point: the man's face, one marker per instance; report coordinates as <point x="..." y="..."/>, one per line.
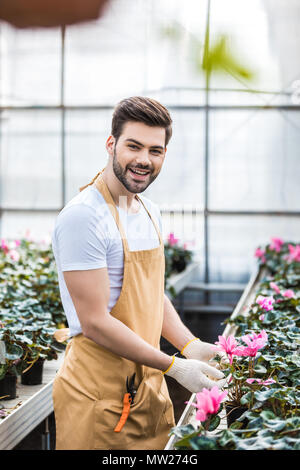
<point x="139" y="148"/>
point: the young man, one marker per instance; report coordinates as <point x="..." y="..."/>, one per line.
<point x="110" y="258"/>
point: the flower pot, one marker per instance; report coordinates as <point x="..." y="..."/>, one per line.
<point x="233" y="412"/>
<point x="34" y="375"/>
<point x="179" y="265"/>
<point x="8" y="387"/>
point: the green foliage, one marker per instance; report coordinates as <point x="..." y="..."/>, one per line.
<point x="30" y="306"/>
<point x="272" y="421"/>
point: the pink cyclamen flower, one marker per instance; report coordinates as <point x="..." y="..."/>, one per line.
<point x="276" y="244"/>
<point x="172" y="240"/>
<point x="228" y="345"/>
<point x="289" y="293"/>
<point x="261" y="382"/>
<point x="259" y="253"/>
<point x="294" y="254"/>
<point x="261" y="317"/>
<point x="254" y="342"/>
<point x="275" y="287"/>
<point x="208" y="402"/>
<point x="14" y="255"/>
<point x="4" y="246"/>
<point x="265" y="302"/>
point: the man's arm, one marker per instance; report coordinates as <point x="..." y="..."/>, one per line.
<point x="182" y="338"/>
<point x="173" y="329"/>
<point x="89" y="290"/>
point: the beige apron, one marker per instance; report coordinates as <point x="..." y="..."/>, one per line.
<point x="89" y="388"/>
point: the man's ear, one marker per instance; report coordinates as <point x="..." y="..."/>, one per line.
<point x="110" y="145"/>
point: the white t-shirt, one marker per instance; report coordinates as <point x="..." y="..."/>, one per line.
<point x="86" y="236"/>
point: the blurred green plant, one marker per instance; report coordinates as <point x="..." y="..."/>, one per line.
<point x="218" y="56"/>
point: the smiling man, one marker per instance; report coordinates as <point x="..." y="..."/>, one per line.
<point x="110" y="392"/>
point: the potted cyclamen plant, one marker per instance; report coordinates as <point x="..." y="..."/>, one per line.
<point x="242" y="369"/>
<point x="243" y="355"/>
<point x="177" y="256"/>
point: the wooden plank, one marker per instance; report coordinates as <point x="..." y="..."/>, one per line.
<point x="208" y="309"/>
<point x="179" y="281"/>
<point x="216" y="286"/>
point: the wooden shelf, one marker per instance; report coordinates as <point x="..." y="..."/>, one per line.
<point x="180" y="281"/>
<point x="32" y="405"/>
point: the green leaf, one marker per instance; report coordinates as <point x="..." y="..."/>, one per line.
<point x="267" y="415"/>
<point x="214" y="422"/>
<point x="204" y="443"/>
<point x="246" y="399"/>
<point x="181" y="431"/>
<point x="227" y="438"/>
<point x="260" y="369"/>
<point x="13" y="352"/>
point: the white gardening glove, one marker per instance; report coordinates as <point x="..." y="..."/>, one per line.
<point x="193" y="374"/>
<point x="197" y="349"/>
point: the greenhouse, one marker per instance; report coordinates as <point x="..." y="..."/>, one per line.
<point x="149" y="226"/>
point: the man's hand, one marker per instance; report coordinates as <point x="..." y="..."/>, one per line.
<point x="193" y="374"/>
<point x="197" y="349"/>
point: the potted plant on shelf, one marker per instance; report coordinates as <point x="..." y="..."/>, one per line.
<point x="244" y="370"/>
<point x="177" y="258"/>
<point x="34" y="337"/>
<point x="177" y="255"/>
<point x="38" y="346"/>
<point x="10" y="362"/>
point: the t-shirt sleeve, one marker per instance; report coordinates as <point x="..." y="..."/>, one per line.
<point x="81" y="240"/>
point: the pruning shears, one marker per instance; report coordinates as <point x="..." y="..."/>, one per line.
<point x="127" y="402"/>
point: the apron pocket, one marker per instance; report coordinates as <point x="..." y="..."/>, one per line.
<point x="106" y="417"/>
<point x="169" y="410"/>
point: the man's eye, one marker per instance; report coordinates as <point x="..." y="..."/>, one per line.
<point x="133" y="146"/>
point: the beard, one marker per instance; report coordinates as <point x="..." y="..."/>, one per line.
<point x="124" y="178"/>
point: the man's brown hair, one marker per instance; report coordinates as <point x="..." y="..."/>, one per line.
<point x="141" y="109"/>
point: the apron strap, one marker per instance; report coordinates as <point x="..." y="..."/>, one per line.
<point x="99" y="182"/>
<point x="102" y="187"/>
<point x="91" y="182"/>
<point x="153" y="221"/>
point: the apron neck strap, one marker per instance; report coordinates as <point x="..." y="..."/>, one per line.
<point x="153" y="221"/>
<point x="102" y="187"/>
